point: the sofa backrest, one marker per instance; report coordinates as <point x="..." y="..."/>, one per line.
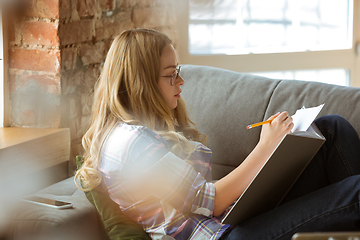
<point x="222" y="103"/>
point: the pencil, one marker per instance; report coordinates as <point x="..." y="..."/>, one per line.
<point x="259" y="124"/>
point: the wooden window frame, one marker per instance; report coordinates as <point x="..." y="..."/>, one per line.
<point x="4" y="78"/>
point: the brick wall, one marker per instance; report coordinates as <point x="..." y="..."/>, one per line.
<point x="56" y="51"/>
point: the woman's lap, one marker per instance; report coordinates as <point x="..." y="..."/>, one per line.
<point x="337" y="159"/>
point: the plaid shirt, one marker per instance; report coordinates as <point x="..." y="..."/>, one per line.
<point x="162" y="192"/>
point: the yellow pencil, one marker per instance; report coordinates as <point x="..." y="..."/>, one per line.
<point x="259" y="124"/>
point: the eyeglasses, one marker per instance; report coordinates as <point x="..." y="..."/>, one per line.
<point x="174" y="75"/>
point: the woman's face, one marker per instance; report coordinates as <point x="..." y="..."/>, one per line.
<point x="168" y="71"/>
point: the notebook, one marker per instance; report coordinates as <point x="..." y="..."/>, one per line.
<point x="281" y="170"/>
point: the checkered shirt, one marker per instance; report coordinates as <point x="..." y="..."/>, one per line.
<point x="166" y="194"/>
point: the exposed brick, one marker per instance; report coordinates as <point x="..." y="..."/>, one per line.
<point x="67" y="10"/>
<point x="78" y="127"/>
<point x="74" y="107"/>
<point x="80" y="82"/>
<point x="66" y="88"/>
<point x="146" y="3"/>
<point x="125" y="3"/>
<point x="88" y="7"/>
<point x="86" y="103"/>
<point x="107" y="5"/>
<point x="36" y="101"/>
<point x="50" y="84"/>
<point x="85" y="124"/>
<point x="43" y="8"/>
<point x="68" y="58"/>
<point x="17" y="33"/>
<point x="40" y="33"/>
<point x="75" y="128"/>
<point x="110" y="27"/>
<point x="36" y="60"/>
<point x="152" y="17"/>
<point x="64" y="9"/>
<point x="72" y="83"/>
<point x="93" y="53"/>
<point x="76" y="32"/>
<point x="91" y="76"/>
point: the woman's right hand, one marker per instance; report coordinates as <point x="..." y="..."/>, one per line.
<point x="272" y="133"/>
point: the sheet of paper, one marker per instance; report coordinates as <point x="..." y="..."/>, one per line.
<point x="303" y="117"/>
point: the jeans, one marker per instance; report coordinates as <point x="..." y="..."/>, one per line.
<point x="324" y="198"/>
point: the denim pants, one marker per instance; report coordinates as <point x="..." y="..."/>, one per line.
<point x="324" y="198"/>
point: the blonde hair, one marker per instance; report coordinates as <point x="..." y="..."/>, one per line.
<point x="127" y="91"/>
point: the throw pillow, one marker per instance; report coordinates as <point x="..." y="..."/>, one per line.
<point x="117" y="225"/>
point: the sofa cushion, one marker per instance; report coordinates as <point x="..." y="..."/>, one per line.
<point x="30" y="221"/>
<point x="293" y="94"/>
<point x="222" y="103"/>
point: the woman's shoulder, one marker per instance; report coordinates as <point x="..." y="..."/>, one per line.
<point x="125" y="137"/>
<point x="127" y="144"/>
<point x="133" y="132"/>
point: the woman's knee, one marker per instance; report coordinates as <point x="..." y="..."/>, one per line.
<point x="333" y="121"/>
<point x="332" y="118"/>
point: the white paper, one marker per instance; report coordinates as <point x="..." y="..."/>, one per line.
<point x="303" y="117"/>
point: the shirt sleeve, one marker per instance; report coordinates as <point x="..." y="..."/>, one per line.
<point x="176" y="182"/>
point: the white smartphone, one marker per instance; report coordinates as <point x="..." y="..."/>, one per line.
<point x="48" y="202"/>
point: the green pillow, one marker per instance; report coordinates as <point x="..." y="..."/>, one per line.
<point x="117" y="225"/>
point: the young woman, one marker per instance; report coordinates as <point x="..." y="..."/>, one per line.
<point x="156" y="166"/>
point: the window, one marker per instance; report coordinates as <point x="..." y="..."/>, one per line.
<point x="262" y="26"/>
<point x="290" y="39"/>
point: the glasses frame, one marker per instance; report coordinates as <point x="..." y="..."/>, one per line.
<point x="175" y="75"/>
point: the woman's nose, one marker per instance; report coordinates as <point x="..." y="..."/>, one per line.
<point x="180" y="80"/>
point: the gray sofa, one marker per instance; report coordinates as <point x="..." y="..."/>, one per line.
<point x="222" y="103"/>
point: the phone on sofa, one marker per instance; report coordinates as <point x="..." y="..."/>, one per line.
<point x="47" y="202"/>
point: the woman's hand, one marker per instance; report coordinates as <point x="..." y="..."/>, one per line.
<point x="272" y="133"/>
